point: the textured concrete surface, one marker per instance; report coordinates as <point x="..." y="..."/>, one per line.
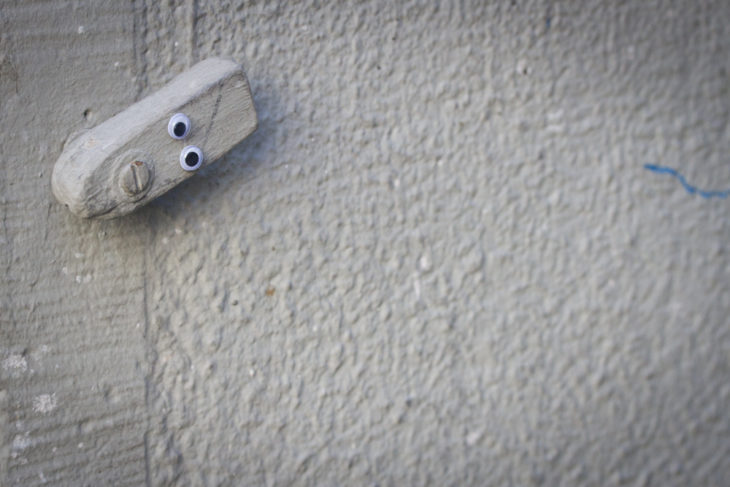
<point x="438" y="261"/>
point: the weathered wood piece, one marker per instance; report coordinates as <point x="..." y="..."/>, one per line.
<point x="132" y="158"/>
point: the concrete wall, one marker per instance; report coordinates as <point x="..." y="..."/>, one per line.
<point x="439" y="260"/>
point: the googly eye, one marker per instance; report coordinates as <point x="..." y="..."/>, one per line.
<point x="191" y="158"/>
<point x="179" y="126"/>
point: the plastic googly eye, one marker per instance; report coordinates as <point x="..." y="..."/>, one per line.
<point x="191" y="158"/>
<point x="179" y="126"/>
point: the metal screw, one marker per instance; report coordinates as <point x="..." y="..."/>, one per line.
<point x="135" y="177"/>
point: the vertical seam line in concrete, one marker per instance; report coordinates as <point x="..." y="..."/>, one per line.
<point x="149" y="348"/>
<point x="148" y="357"/>
<point x="139" y="41"/>
<point x="193" y="31"/>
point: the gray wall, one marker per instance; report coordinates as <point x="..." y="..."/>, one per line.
<point x="439" y="260"/>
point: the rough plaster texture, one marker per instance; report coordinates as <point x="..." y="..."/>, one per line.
<point x="438" y="261"/>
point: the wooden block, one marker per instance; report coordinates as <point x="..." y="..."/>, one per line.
<point x="130" y="159"/>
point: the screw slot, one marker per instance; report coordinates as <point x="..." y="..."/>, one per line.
<point x="135" y="177"/>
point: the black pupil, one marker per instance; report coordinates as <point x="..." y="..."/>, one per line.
<point x="179" y="129"/>
<point x="191" y="159"/>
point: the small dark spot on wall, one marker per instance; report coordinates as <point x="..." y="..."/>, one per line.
<point x="8" y="72"/>
<point x="87" y="114"/>
<point x="270" y="291"/>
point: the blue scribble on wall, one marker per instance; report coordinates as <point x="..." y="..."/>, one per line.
<point x="690" y="189"/>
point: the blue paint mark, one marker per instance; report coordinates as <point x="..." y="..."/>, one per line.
<point x="690" y="189"/>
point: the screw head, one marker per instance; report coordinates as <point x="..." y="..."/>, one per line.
<point x="135" y="177"/>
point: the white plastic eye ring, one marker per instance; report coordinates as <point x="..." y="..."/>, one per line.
<point x="191" y="158"/>
<point x="179" y="126"/>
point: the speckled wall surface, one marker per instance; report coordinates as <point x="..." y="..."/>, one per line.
<point x="440" y="260"/>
